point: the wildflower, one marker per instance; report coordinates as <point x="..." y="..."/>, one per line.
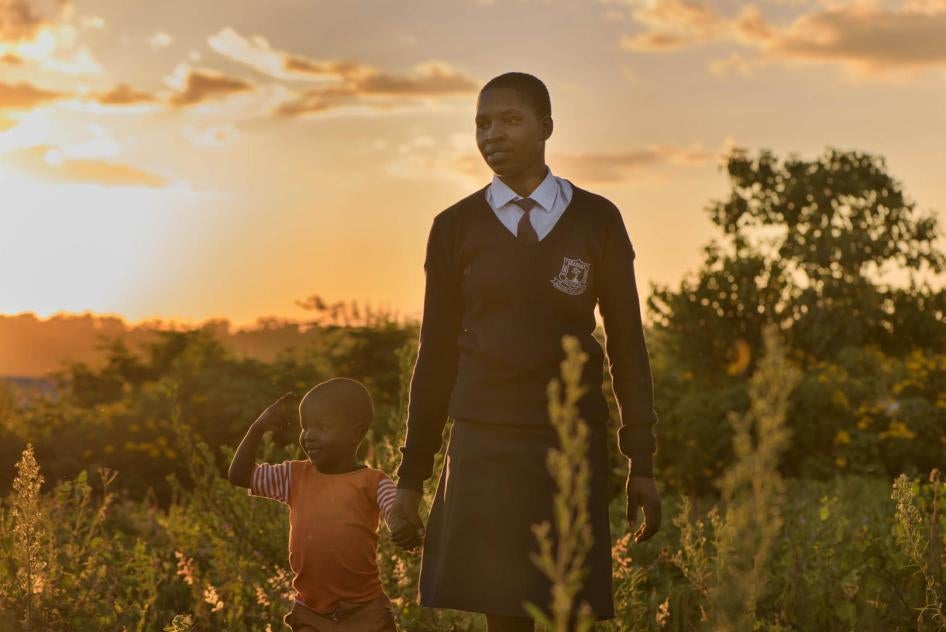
<point x="663" y="612"/>
<point x="842" y="437"/>
<point x="211" y="597"/>
<point x="282" y="583"/>
<point x="400" y="572"/>
<point x="261" y="597"/>
<point x="622" y="560"/>
<point x="185" y="568"/>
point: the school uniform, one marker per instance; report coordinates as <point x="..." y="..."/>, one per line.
<point x="495" y="310"/>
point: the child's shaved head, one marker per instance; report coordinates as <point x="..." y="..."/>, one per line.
<point x="349" y="399"/>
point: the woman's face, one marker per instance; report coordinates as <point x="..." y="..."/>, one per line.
<point x="510" y="137"/>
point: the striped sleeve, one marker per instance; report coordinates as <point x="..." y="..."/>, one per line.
<point x="386" y="493"/>
<point x="270" y="481"/>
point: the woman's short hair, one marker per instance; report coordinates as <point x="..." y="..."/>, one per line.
<point x="530" y="89"/>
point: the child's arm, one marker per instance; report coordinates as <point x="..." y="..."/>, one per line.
<point x="273" y="418"/>
<point x="386" y="492"/>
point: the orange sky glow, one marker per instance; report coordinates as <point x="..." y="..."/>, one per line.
<point x="183" y="160"/>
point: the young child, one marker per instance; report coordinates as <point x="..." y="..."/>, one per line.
<point x="334" y="508"/>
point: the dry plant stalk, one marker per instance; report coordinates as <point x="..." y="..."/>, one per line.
<point x="29" y="534"/>
<point x="562" y="560"/>
<point x="753" y="491"/>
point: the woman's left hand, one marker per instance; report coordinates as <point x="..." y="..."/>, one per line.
<point x="642" y="493"/>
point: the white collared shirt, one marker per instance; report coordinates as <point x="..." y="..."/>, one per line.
<point x="553" y="195"/>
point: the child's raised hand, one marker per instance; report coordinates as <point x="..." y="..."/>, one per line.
<point x="279" y="414"/>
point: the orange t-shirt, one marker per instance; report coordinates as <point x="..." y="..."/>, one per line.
<point x="333" y="528"/>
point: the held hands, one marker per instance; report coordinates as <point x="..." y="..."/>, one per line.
<point x="279" y="414"/>
<point x="642" y="493"/>
<point x="407" y="529"/>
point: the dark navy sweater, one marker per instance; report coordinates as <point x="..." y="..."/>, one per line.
<point x="495" y="311"/>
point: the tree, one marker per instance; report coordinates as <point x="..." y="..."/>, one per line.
<point x="805" y="244"/>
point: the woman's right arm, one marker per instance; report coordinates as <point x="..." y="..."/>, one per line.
<point x="436" y="368"/>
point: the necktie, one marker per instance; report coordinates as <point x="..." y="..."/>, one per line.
<point x="525" y="232"/>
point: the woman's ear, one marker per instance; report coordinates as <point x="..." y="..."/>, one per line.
<point x="547" y="126"/>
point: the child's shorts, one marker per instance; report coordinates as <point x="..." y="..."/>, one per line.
<point x="376" y="615"/>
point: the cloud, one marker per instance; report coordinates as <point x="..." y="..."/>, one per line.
<point x="672" y="24"/>
<point x="257" y="53"/>
<point x="423" y="156"/>
<point x="872" y="40"/>
<point x="382" y="91"/>
<point x="50" y="163"/>
<point x="216" y="136"/>
<point x="41" y="32"/>
<point x="340" y="83"/>
<point x="122" y="94"/>
<point x="23" y="96"/>
<point x="160" y="40"/>
<point x="614" y="167"/>
<point x="80" y="62"/>
<point x="99" y="144"/>
<point x="196" y="85"/>
<point x="866" y="37"/>
<point x="22" y="19"/>
<point x="430" y="79"/>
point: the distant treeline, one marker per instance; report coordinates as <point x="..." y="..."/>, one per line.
<point x="35" y="347"/>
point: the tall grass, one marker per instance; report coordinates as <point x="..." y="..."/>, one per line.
<point x="854" y="553"/>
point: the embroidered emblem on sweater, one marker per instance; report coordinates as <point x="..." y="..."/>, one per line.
<point x="573" y="279"/>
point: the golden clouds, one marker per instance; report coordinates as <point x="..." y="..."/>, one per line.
<point x="23" y="96"/>
<point x="39" y="33"/>
<point x="22" y="19"/>
<point x="340" y="82"/>
<point x="49" y="163"/>
<point x="672" y="24"/>
<point x="425" y="156"/>
<point x="122" y="94"/>
<point x="195" y="85"/>
<point x="381" y="90"/>
<point x="867" y="37"/>
<point x="614" y="167"/>
<point x="257" y="54"/>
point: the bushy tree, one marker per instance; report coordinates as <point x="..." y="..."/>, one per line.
<point x="806" y="244"/>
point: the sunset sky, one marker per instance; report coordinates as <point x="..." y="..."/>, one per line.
<point x="225" y="158"/>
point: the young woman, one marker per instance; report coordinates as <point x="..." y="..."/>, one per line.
<point x="510" y="269"/>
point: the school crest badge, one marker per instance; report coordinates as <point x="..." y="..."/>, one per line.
<point x="573" y="278"/>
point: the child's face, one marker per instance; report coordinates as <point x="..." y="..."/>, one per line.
<point x="327" y="438"/>
<point x="509" y="135"/>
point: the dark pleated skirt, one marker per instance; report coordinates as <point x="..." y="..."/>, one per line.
<point x="494" y="486"/>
